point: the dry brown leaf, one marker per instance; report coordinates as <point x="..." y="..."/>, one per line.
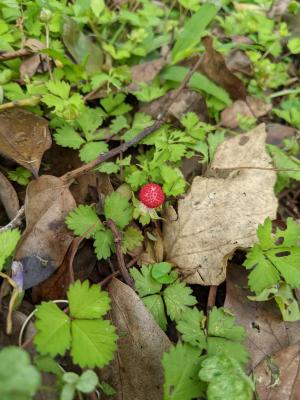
<point x="278" y="378"/>
<point x="277" y="132"/>
<point x="8" y="197"/>
<point x="266" y="332"/>
<point x="254" y="107"/>
<point x="221" y="213"/>
<point x="46" y="239"/>
<point x="147" y="71"/>
<point x="24" y="137"/>
<point x="30" y="66"/>
<point x="278" y="8"/>
<point x="238" y="61"/>
<point x="136" y="372"/>
<point x="214" y="67"/>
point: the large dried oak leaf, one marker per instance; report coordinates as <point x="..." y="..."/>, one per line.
<point x="222" y="211"/>
<point x="24" y="137"/>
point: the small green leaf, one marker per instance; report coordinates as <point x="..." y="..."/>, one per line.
<point x="132" y="238"/>
<point x="104" y="244"/>
<point x="161" y="273"/>
<point x="218" y="345"/>
<point x="87" y="382"/>
<point x="53" y="330"/>
<point x="108" y="168"/>
<point x="8" y="242"/>
<point x="177" y="298"/>
<point x="20" y="175"/>
<point x="117" y="208"/>
<point x="221" y="323"/>
<point x="93" y="342"/>
<point x="191" y="326"/>
<point x="59" y="88"/>
<point x="144" y="282"/>
<point x="181" y="366"/>
<point x="155" y="305"/>
<point x="294" y="45"/>
<point x="90" y="151"/>
<point x="84" y="221"/>
<point x="87" y="302"/>
<point x="66" y="136"/>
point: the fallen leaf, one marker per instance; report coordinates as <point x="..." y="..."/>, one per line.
<point x="221" y="212"/>
<point x="81" y="46"/>
<point x="188" y="101"/>
<point x="24" y="137"/>
<point x="278" y="378"/>
<point x="214" y="67"/>
<point x="136" y="371"/>
<point x="238" y="61"/>
<point x="277" y="132"/>
<point x="249" y="108"/>
<point x="278" y="8"/>
<point x="29" y="66"/>
<point x="8" y="197"/>
<point x="266" y="332"/>
<point x="46" y="238"/>
<point x="147" y="71"/>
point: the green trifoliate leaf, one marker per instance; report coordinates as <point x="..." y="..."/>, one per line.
<point x="53" y="330"/>
<point x="191" y="326"/>
<point x="104" y="244"/>
<point x="87" y="302"/>
<point x="155" y="305"/>
<point x="226" y="379"/>
<point x="20" y="175"/>
<point x="90" y="151"/>
<point x="145" y="284"/>
<point x="19" y="380"/>
<point x="8" y="242"/>
<point x="181" y="366"/>
<point x="84" y="221"/>
<point x="132" y="238"/>
<point x="66" y="136"/>
<point x="93" y="342"/>
<point x="177" y="298"/>
<point x="117" y="208"/>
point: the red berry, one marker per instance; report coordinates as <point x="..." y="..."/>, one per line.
<point x="152" y="195"/>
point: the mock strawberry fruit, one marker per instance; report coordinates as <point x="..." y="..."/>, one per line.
<point x="152" y="195"/>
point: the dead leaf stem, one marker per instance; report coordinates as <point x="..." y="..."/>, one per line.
<point x="17" y="221"/>
<point x="10" y="55"/>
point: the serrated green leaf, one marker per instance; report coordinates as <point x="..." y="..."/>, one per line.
<point x="191" y="326"/>
<point x="118" y="124"/>
<point x="66" y="136"/>
<point x="218" y="345"/>
<point x="174" y="183"/>
<point x="290" y="236"/>
<point x="181" y="366"/>
<point x="177" y="298"/>
<point x="59" y="88"/>
<point x="19" y="380"/>
<point x="140" y="122"/>
<point x="287" y="262"/>
<point x="214" y="140"/>
<point x="108" y="168"/>
<point x="93" y="342"/>
<point x="53" y="330"/>
<point x="161" y="273"/>
<point x="155" y="305"/>
<point x="222" y="324"/>
<point x="87" y="302"/>
<point x="104" y="244"/>
<point x="132" y="238"/>
<point x="90" y="119"/>
<point x="117" y="208"/>
<point x="20" y="175"/>
<point x="114" y="105"/>
<point x="144" y="282"/>
<point x="84" y="221"/>
<point x="8" y="242"/>
<point x="90" y="151"/>
<point x="97" y="7"/>
<point x="287" y="303"/>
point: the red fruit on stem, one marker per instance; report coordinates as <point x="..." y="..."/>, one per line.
<point x="152" y="195"/>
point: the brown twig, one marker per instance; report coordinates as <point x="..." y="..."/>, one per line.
<point x="10" y="55"/>
<point x="118" y="242"/>
<point x="106" y="280"/>
<point x="17" y="221"/>
<point x="211" y="301"/>
<point x="147" y="131"/>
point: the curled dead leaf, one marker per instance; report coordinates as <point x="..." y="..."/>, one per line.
<point x="46" y="238"/>
<point x="24" y="137"/>
<point x="221" y="212"/>
<point x="8" y="197"/>
<point x="136" y="371"/>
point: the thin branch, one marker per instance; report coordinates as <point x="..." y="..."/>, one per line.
<point x="147" y="131"/>
<point x="118" y="242"/>
<point x="10" y="55"/>
<point x="17" y="221"/>
<point x="211" y="301"/>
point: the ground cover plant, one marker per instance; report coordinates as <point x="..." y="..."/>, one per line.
<point x="149" y="199"/>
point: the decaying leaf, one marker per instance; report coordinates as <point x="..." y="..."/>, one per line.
<point x="24" y="137"/>
<point x="267" y="333"/>
<point x="46" y="239"/>
<point x="8" y="197"/>
<point x="147" y="71"/>
<point x="214" y="67"/>
<point x="221" y="213"/>
<point x="277" y="132"/>
<point x="253" y="107"/>
<point x="136" y="372"/>
<point x="278" y="377"/>
<point x="30" y="66"/>
<point x="238" y="61"/>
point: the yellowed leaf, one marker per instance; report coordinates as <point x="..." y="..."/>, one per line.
<point x="222" y="211"/>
